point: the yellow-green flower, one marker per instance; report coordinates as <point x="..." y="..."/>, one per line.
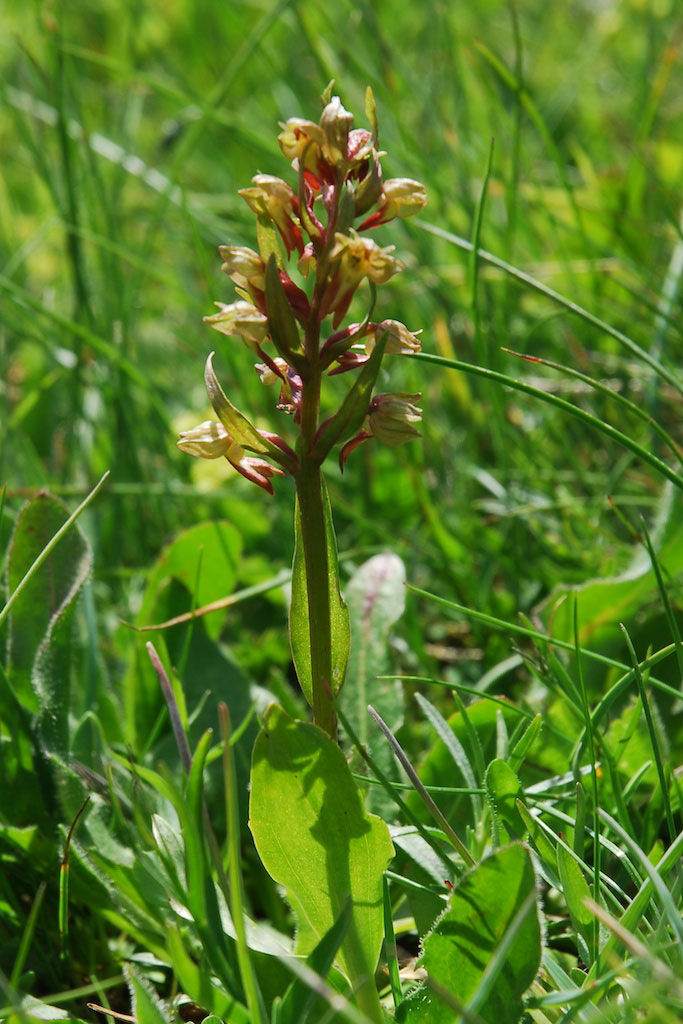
<point x="240" y="319"/>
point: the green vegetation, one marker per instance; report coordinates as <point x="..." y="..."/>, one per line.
<point x="513" y="577"/>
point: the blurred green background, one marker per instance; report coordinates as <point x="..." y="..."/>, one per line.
<point x="127" y="127"/>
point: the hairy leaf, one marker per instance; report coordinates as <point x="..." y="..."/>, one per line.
<point x="39" y="643"/>
<point x="485" y="950"/>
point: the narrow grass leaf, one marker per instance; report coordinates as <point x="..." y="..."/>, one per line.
<point x="454" y="748"/>
<point x="429" y="803"/>
<point x="27" y="937"/>
<point x="250" y="984"/>
<point x="195" y="980"/>
<point x="550" y="293"/>
<point x="654" y="873"/>
<point x="652" y="732"/>
<point x="670" y="616"/>
<point x="390" y="951"/>
<point x="525" y="743"/>
<point x="634" y="912"/>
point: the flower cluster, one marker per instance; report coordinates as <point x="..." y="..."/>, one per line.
<point x="324" y="225"/>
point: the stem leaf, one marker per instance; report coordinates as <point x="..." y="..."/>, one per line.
<point x="487" y="977"/>
<point x="281" y="322"/>
<point x="299" y="629"/>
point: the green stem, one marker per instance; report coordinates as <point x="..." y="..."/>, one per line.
<point x="310" y="495"/>
<point x="309" y="489"/>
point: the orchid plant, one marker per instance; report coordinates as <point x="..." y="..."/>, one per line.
<point x="324" y="223"/>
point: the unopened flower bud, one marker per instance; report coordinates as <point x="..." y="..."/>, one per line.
<point x="258" y="471"/>
<point x="400" y="341"/>
<point x="336" y="123"/>
<point x="208" y="440"/>
<point x="398" y="197"/>
<point x="240" y="319"/>
<point x="391" y="417"/>
<point x="402" y="197"/>
<point x="359" y="145"/>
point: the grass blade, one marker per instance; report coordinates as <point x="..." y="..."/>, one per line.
<point x="561" y="300"/>
<point x="652" y="732"/>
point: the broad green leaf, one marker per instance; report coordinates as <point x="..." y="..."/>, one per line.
<point x="198" y="567"/>
<point x="486" y="948"/>
<point x="31" y="1009"/>
<point x="147" y="1007"/>
<point x="575" y="889"/>
<point x="315" y="838"/>
<point x="298" y="612"/>
<point x="375" y="597"/>
<point x="39" y="642"/>
<point x="502" y="790"/>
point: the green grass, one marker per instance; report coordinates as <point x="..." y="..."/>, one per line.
<point x="543" y="488"/>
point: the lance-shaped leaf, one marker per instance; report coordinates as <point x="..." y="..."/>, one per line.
<point x="299" y="628"/>
<point x="353" y="410"/>
<point x="376" y="599"/>
<point x="236" y="423"/>
<point x="40" y="623"/>
<point x="281" y="322"/>
<point x="316" y="839"/>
